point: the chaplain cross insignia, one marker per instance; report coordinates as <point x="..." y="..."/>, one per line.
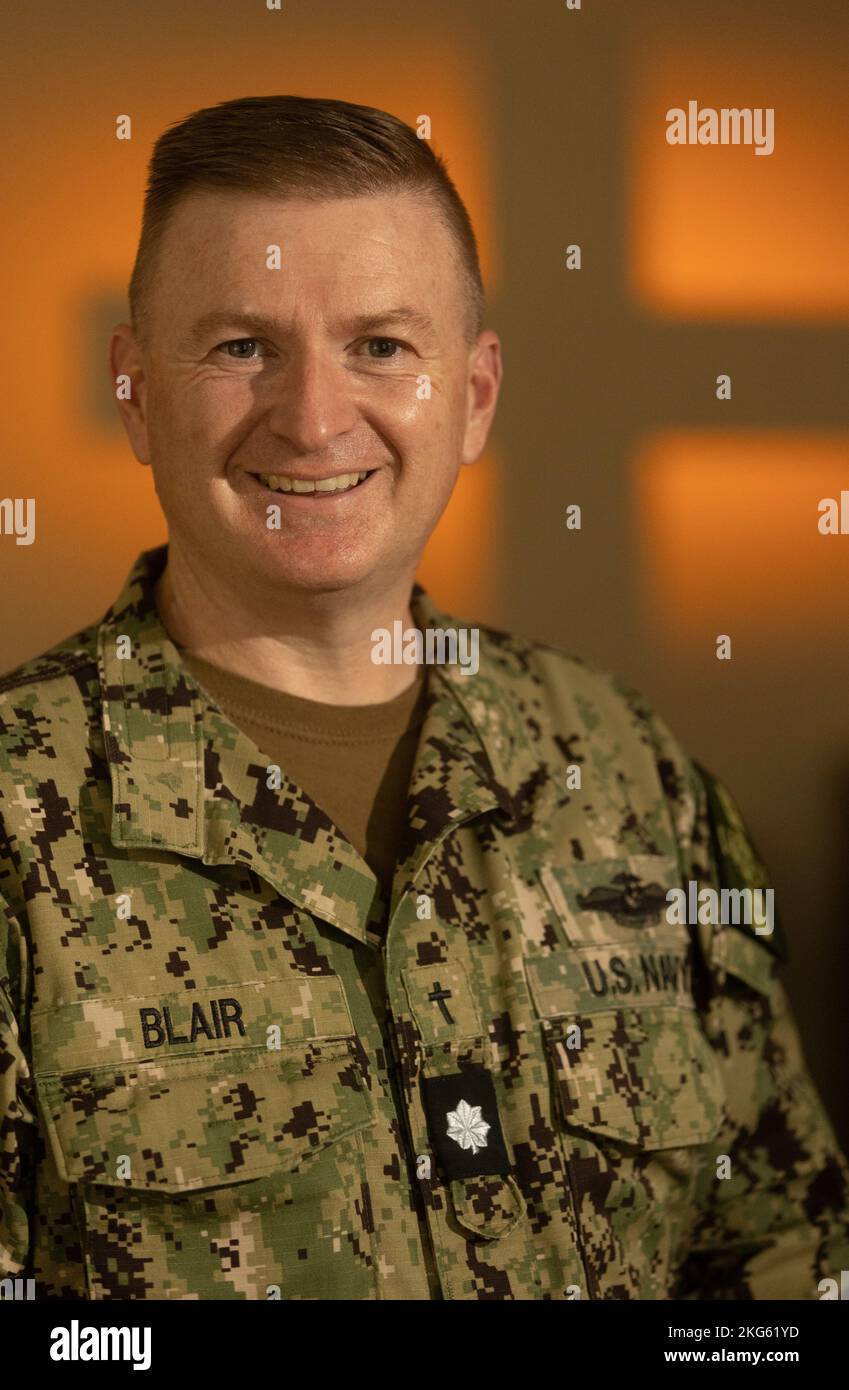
<point x="439" y="997"/>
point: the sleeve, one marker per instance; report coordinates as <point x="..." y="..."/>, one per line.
<point x="772" y="1199"/>
<point x="17" y="1107"/>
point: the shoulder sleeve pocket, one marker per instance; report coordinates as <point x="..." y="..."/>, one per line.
<point x="184" y="1125"/>
<point x="739" y="867"/>
<point x="745" y="957"/>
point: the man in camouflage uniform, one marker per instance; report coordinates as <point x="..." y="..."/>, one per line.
<point x="233" y="1067"/>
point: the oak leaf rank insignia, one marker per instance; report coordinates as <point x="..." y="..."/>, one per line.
<point x="467" y="1127"/>
<point x="466" y="1144"/>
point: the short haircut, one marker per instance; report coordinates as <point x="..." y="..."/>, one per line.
<point x="308" y="147"/>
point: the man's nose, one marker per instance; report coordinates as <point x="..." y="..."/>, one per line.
<point x="314" y="402"/>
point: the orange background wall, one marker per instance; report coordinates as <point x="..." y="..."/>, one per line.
<point x="699" y="515"/>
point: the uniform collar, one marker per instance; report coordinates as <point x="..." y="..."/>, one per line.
<point x="185" y="780"/>
<point x="492" y="735"/>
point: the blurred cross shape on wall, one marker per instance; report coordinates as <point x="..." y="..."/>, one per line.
<point x="724" y="245"/>
<point x="735" y="516"/>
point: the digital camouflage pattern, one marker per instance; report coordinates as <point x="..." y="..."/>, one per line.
<point x="214" y="1061"/>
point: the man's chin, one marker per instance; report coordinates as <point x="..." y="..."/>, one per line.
<point x="318" y="574"/>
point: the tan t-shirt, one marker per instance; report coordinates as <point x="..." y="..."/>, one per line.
<point x="355" y="761"/>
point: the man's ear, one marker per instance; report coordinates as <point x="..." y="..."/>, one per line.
<point x="484" y="383"/>
<point x="126" y="368"/>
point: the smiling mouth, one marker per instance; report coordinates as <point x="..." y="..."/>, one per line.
<point x="316" y="487"/>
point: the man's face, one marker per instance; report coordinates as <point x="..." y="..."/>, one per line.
<point x="254" y="381"/>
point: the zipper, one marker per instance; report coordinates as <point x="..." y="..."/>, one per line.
<point x="393" y="1069"/>
<point x="558" y="1113"/>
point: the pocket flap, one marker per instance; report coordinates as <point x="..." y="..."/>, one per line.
<point x="746" y="957"/>
<point x="598" y="900"/>
<point x="182" y="1125"/>
<point x="442" y="1002"/>
<point x="645" y="1077"/>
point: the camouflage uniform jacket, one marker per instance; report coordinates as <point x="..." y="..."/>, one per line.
<point x="219" y="1079"/>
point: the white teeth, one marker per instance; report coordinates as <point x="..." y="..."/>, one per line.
<point x="340" y="483"/>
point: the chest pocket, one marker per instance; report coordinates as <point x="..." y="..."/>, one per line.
<point x="627" y="1050"/>
<point x="640" y="1077"/>
<point x="229" y="1173"/>
<point x="637" y="1103"/>
<point x="628" y="1054"/>
<point x="179" y="1126"/>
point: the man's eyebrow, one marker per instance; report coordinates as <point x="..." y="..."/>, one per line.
<point x="223" y="320"/>
<point x="392" y="318"/>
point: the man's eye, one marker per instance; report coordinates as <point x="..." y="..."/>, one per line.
<point x="240" y="349"/>
<point x="383" y="349"/>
